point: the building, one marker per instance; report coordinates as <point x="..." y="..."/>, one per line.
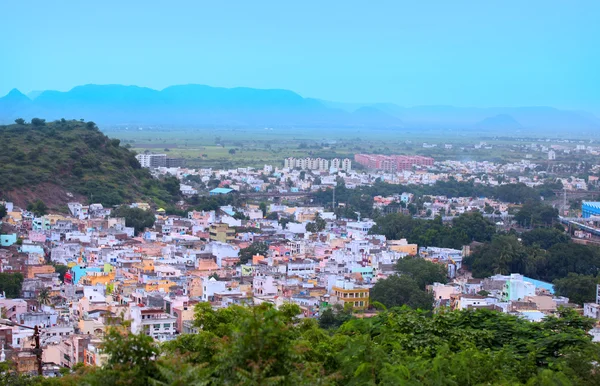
<point x="551" y="155"/>
<point x="152" y="160"/>
<point x="590" y="209"/>
<point x="152" y="321"/>
<point x="174" y="162"/>
<point x="349" y="293"/>
<point x="221" y="232"/>
<point x="392" y="163"/>
<point x="217" y="191"/>
<point x="402" y="246"/>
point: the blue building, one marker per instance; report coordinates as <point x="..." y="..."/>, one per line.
<point x="590" y="208"/>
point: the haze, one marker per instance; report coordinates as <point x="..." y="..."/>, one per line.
<point x="462" y="53"/>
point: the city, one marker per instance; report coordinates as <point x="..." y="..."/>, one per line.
<point x="307" y="193"/>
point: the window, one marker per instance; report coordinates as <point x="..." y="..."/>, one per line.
<point x="167" y="325"/>
<point x="157" y="326"/>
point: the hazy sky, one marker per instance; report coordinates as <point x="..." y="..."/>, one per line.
<point x="414" y="52"/>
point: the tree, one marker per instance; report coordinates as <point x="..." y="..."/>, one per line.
<point x="401" y="290"/>
<point x="334" y="316"/>
<point x="38" y="208"/>
<point x="256" y="248"/>
<point x="20" y="121"/>
<point x="578" y="288"/>
<point x="61" y="270"/>
<point x="172" y="184"/>
<point x="10" y="284"/>
<point x="130" y="354"/>
<point x="231" y="151"/>
<point x="38" y="122"/>
<point x="544" y="238"/>
<point x="424" y="272"/>
<point x="137" y="218"/>
<point x="316" y="226"/>
<point x="2" y="211"/>
<point x="534" y="214"/>
<point x="44" y="297"/>
<point x="263" y="207"/>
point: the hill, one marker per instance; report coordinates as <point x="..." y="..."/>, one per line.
<point x="200" y="106"/>
<point x="64" y="161"/>
<point x="499" y="122"/>
<point x="196" y="105"/>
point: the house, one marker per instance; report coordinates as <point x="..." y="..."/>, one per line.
<point x="347" y="292"/>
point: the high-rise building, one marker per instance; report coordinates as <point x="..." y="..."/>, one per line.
<point x="392" y="163"/>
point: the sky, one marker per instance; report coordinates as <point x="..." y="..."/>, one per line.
<point x="478" y="53"/>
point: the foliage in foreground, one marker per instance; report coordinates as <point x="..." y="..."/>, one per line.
<point x="264" y="346"/>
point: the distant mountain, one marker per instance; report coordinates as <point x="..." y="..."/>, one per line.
<point x="204" y="106"/>
<point x="14" y="103"/>
<point x="499" y="122"/>
<point x="196" y="105"/>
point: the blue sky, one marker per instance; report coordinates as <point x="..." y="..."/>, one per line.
<point x="459" y="52"/>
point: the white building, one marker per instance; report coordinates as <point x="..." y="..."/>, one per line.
<point x="152" y="321"/>
<point x="211" y="286"/>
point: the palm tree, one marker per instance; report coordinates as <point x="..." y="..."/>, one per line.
<point x="44" y="297"/>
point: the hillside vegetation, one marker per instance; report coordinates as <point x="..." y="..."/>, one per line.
<point x="64" y="161"/>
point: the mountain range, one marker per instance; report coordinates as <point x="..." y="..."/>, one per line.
<point x="204" y="106"/>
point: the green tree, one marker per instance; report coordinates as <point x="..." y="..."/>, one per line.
<point x="334" y="316"/>
<point x="61" y="270"/>
<point x="578" y="288"/>
<point x="172" y="184"/>
<point x="43" y="297"/>
<point x="256" y="248"/>
<point x="131" y="357"/>
<point x="10" y="284"/>
<point x="424" y="272"/>
<point x="38" y="208"/>
<point x="402" y="290"/>
<point x="263" y="207"/>
<point x="38" y="122"/>
<point x="137" y="218"/>
<point x="544" y="238"/>
<point x="20" y="121"/>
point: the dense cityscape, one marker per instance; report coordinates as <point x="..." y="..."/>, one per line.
<point x="307" y="193"/>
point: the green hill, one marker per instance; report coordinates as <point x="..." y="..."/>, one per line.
<point x="64" y="161"/>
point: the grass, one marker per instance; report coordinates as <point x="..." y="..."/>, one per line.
<point x="256" y="147"/>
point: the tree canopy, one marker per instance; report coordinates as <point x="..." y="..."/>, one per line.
<point x="464" y="229"/>
<point x="256" y="248"/>
<point x="10" y="284"/>
<point x="264" y="346"/>
<point x="137" y="218"/>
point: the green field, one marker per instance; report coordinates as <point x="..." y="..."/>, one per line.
<point x="227" y="148"/>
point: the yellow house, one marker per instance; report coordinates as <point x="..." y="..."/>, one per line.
<point x="159" y="285"/>
<point x="349" y="293"/>
<point x="403" y="246"/>
<point x="95" y="278"/>
<point x="221" y="232"/>
<point x="146" y="266"/>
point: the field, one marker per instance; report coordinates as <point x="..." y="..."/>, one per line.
<point x="227" y="148"/>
